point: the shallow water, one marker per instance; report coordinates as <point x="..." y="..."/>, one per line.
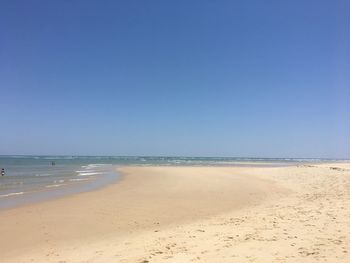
<point x="28" y="181"/>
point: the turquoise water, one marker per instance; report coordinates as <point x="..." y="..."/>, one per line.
<point x="33" y="178"/>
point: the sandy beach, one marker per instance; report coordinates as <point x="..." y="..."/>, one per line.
<point x="191" y="214"/>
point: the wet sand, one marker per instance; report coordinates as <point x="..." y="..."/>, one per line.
<point x="191" y="214"/>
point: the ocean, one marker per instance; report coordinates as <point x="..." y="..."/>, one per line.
<point x="35" y="178"/>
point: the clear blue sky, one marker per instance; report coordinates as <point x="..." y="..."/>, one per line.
<point x="194" y="78"/>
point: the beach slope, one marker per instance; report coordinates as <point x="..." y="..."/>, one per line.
<point x="191" y="214"/>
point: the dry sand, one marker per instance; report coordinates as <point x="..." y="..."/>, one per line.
<point x="191" y="214"/>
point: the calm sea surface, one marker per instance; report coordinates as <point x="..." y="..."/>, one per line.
<point x="34" y="178"/>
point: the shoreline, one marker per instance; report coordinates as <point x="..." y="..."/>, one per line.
<point x="155" y="214"/>
<point x="21" y="198"/>
<point x="37" y="196"/>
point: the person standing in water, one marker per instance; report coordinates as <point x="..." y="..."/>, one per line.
<point x="2" y="172"/>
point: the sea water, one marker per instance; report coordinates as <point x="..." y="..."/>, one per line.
<point x="34" y="178"/>
<point x="30" y="179"/>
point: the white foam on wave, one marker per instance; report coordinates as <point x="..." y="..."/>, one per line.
<point x="12" y="194"/>
<point x="57" y="157"/>
<point x="94" y="165"/>
<point x="58" y="181"/>
<point x="88" y="173"/>
<point x="53" y="185"/>
<point x="81" y="179"/>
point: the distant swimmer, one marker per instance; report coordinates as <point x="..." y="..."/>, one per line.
<point x="2" y="172"/>
<point x="53" y="163"/>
